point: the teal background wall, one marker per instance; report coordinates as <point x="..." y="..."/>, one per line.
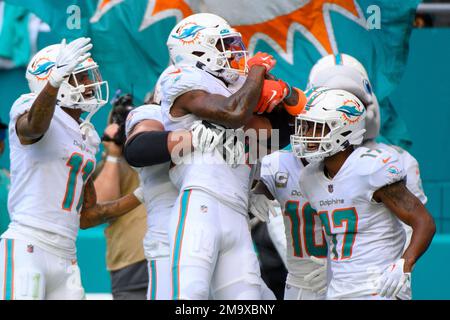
<point x="422" y="99"/>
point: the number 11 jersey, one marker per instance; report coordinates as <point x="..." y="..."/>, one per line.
<point x="48" y="176"/>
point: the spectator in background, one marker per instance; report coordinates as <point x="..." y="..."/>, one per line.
<point x="4" y="183"/>
<point x="115" y="178"/>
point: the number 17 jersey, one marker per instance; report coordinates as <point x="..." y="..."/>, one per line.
<point x="364" y="237"/>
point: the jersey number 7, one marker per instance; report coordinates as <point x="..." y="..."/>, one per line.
<point x="349" y="216"/>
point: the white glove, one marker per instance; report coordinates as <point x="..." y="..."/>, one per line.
<point x="234" y="148"/>
<point x="205" y="139"/>
<point x="139" y="194"/>
<point x="393" y="279"/>
<point x="317" y="279"/>
<point x="70" y="55"/>
<point x="260" y="207"/>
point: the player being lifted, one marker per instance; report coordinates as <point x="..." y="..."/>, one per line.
<point x="144" y="126"/>
<point x="358" y="195"/>
<point x="209" y="228"/>
<point x="52" y="158"/>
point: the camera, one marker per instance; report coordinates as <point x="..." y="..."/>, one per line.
<point x="122" y="105"/>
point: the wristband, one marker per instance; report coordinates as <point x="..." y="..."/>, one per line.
<point x="112" y="159"/>
<point x="290" y="90"/>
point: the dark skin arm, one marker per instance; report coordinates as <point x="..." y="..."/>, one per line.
<point x="233" y="111"/>
<point x="32" y="125"/>
<point x="408" y="208"/>
<point x="93" y="213"/>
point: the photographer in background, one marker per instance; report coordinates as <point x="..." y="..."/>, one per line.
<point x="115" y="178"/>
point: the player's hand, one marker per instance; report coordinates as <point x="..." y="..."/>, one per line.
<point x="70" y="55"/>
<point x="393" y="279"/>
<point x="206" y="136"/>
<point x="233" y="148"/>
<point x="111" y="147"/>
<point x="317" y="279"/>
<point x="262" y="59"/>
<point x="260" y="207"/>
<point x="272" y="94"/>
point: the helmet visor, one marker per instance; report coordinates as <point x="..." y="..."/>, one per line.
<point x="233" y="49"/>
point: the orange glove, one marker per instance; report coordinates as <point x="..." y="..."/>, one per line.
<point x="262" y="59"/>
<point x="301" y="103"/>
<point x="272" y="93"/>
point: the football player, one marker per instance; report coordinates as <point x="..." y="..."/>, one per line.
<point x="345" y="72"/>
<point x="360" y="195"/>
<point x="209" y="228"/>
<point x="145" y="131"/>
<point x="52" y="158"/>
<point x="306" y="248"/>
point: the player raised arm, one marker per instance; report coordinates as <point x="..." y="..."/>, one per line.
<point x="409" y="209"/>
<point x="233" y="111"/>
<point x="32" y="125"/>
<point x="93" y="213"/>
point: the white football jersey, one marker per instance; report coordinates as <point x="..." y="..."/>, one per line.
<point x="204" y="171"/>
<point x="413" y="180"/>
<point x="48" y="176"/>
<point x="159" y="192"/>
<point x="363" y="236"/>
<point x="280" y="172"/>
<point x="410" y="165"/>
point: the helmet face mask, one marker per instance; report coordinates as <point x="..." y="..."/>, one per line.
<point x="331" y="122"/>
<point x="208" y="41"/>
<point x="84" y="89"/>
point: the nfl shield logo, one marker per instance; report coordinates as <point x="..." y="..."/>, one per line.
<point x="330" y="188"/>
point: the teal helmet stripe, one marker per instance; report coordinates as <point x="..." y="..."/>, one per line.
<point x="350" y="111"/>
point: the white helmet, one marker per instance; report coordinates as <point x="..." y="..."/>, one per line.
<point x="208" y="42"/>
<point x="342" y="116"/>
<point x="343" y="71"/>
<point x="70" y="93"/>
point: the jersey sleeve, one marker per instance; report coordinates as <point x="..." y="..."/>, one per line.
<point x="21" y="105"/>
<point x="267" y="175"/>
<point x="145" y="112"/>
<point x="413" y="180"/>
<point x="180" y="81"/>
<point x="382" y="170"/>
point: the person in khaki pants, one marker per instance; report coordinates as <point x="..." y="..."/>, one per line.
<point x="125" y="254"/>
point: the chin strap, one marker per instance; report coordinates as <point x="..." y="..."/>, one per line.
<point x="88" y="131"/>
